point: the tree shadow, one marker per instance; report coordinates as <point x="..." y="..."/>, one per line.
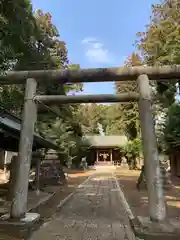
<point x="138" y="199"/>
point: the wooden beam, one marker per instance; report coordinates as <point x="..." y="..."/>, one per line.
<point x="43" y="109"/>
<point x="92" y="75"/>
<point x="102" y="98"/>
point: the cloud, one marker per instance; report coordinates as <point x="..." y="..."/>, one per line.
<point x="96" y="51"/>
<point x="88" y="40"/>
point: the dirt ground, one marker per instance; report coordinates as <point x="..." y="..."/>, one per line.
<point x="138" y="199"/>
<point x="49" y="208"/>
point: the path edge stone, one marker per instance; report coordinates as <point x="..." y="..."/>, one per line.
<point x="123" y="199"/>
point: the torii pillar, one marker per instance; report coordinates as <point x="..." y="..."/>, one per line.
<point x="19" y="202"/>
<point x="156" y="201"/>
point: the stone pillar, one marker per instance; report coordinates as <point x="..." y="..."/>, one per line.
<point x="157" y="210"/>
<point x="111" y="157"/>
<point x="38" y="164"/>
<point x="19" y="203"/>
<point x="2" y="159"/>
<point x="97" y="156"/>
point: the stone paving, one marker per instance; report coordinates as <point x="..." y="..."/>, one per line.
<point x="94" y="212"/>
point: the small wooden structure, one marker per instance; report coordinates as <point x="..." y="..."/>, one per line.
<point x="106" y="148"/>
<point x="10" y="129"/>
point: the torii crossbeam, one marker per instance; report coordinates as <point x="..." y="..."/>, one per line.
<point x="142" y="75"/>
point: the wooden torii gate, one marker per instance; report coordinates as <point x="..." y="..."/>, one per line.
<point x="142" y="75"/>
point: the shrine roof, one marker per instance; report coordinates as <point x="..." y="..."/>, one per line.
<point x="106" y="141"/>
<point x="10" y="127"/>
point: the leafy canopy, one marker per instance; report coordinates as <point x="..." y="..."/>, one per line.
<point x="172" y="128"/>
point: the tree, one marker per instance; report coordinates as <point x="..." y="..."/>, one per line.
<point x="15" y="37"/>
<point x="172" y="129"/>
<point x="15" y="42"/>
<point x="159" y="44"/>
<point x="131" y="151"/>
<point x="37" y="45"/>
<point x="129" y="111"/>
<point x="110" y="117"/>
<point x="113" y="120"/>
<point x="72" y="147"/>
<point x="46" y="51"/>
<point x="89" y="115"/>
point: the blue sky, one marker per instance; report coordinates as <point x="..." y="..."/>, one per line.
<point x="98" y="33"/>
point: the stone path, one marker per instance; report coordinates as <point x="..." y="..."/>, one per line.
<point x="94" y="212"/>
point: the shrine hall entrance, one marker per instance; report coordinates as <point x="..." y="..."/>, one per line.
<point x="104" y="155"/>
<point x="111" y="155"/>
<point x="106" y="149"/>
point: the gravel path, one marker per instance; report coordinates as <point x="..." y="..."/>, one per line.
<point x="95" y="211"/>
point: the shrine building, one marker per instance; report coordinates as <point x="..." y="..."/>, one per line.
<point x="106" y="148"/>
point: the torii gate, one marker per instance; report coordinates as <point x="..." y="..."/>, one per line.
<point x="142" y="75"/>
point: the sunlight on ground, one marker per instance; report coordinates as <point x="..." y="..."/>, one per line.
<point x="174" y="203"/>
<point x="4" y="177"/>
<point x="70" y="185"/>
<point x="171" y="198"/>
<point x="100" y="178"/>
<point x="94" y="194"/>
<point x="88" y="186"/>
<point x="115" y="190"/>
<point x="138" y="200"/>
<point x="79" y="174"/>
<point x="127" y="172"/>
<point x="144" y="198"/>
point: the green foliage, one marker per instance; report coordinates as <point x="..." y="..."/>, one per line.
<point x="129" y="111"/>
<point x="42" y="49"/>
<point x="89" y="116"/>
<point x="35" y="44"/>
<point x="71" y="145"/>
<point x="113" y="120"/>
<point x="17" y="26"/>
<point x="133" y="148"/>
<point x="109" y="116"/>
<point x="172" y="128"/>
<point x="131" y="151"/>
<point x="159" y="44"/>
